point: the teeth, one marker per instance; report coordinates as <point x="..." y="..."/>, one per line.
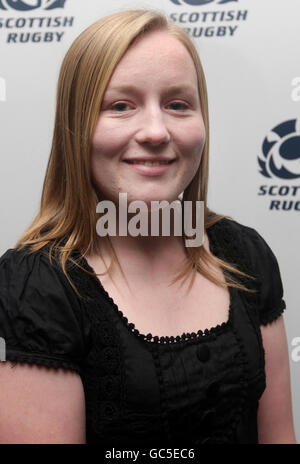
<point x="150" y="163"/>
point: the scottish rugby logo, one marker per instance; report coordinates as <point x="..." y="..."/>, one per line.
<point x="24" y="26"/>
<point x="22" y="5"/>
<point x="209" y="18"/>
<point x="281" y="152"/>
<point x="201" y="2"/>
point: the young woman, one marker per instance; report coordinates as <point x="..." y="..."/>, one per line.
<point x="138" y="341"/>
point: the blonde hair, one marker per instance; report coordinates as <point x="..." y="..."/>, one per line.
<point x="67" y="216"/>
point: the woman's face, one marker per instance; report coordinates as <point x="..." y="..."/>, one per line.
<point x="150" y="114"/>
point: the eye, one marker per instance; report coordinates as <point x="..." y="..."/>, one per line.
<point x="178" y="106"/>
<point x="120" y="107"/>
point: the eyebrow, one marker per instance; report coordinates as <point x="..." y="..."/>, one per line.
<point x="171" y="89"/>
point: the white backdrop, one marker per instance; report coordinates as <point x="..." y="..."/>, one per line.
<point x="250" y="52"/>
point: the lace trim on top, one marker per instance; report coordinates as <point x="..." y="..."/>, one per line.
<point x="273" y="314"/>
<point x="41" y="360"/>
<point x="184" y="337"/>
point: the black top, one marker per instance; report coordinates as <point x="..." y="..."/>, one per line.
<point x="142" y="390"/>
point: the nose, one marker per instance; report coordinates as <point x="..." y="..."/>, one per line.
<point x="152" y="127"/>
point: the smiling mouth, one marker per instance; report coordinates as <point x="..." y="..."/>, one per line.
<point x="149" y="163"/>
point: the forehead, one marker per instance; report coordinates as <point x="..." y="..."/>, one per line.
<point x="156" y="56"/>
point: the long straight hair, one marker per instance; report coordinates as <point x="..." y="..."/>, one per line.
<point x="66" y="219"/>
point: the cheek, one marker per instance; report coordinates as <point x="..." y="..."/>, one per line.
<point x="102" y="143"/>
<point x="109" y="138"/>
<point x="106" y="149"/>
<point x="104" y="176"/>
<point x="192" y="142"/>
<point x="198" y="136"/>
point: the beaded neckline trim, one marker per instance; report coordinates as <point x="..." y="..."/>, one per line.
<point x="184" y="337"/>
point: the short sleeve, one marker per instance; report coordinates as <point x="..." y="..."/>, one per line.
<point x="40" y="316"/>
<point x="269" y="284"/>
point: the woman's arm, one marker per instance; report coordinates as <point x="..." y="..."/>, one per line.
<point x="275" y="416"/>
<point x="40" y="405"/>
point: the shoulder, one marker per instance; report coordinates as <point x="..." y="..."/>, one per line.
<point x="246" y="248"/>
<point x="235" y="228"/>
<point x="40" y="312"/>
<point x="22" y="270"/>
<point x="244" y="241"/>
<point x="22" y="261"/>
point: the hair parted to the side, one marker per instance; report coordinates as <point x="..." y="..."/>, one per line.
<point x="67" y="218"/>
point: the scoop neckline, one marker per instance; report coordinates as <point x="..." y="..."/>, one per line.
<point x="184" y="337"/>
